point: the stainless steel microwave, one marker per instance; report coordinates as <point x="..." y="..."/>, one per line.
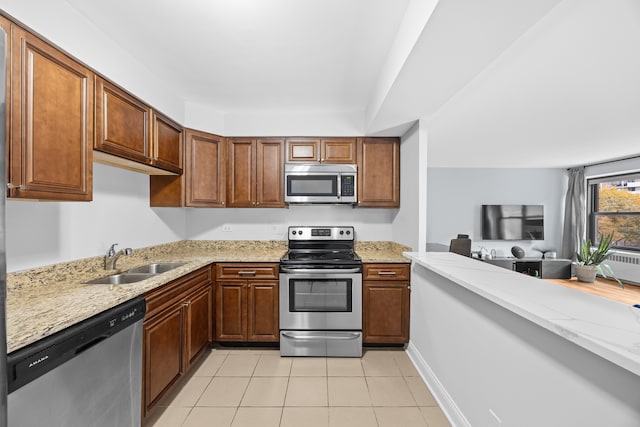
<point x="320" y="183"/>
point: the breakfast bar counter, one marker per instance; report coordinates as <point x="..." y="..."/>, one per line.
<point x="531" y="352"/>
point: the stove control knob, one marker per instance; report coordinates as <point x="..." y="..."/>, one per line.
<point x="348" y="232"/>
<point x="294" y="232"/>
<point x="300" y="232"/>
<point x="341" y="232"/>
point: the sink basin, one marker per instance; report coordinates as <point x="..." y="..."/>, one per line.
<point x="156" y="268"/>
<point x="120" y="279"/>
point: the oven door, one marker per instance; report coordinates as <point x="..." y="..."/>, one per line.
<point x="320" y="300"/>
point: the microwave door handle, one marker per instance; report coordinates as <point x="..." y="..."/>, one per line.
<point x="339" y="186"/>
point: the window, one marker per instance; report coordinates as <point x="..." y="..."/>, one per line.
<point x="614" y="207"/>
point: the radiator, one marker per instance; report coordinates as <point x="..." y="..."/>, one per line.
<point x="626" y="266"/>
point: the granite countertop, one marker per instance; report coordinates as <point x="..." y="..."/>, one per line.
<point x="45" y="300"/>
<point x="607" y="328"/>
<point x="382" y="252"/>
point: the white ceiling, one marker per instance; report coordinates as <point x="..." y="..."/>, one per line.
<point x="499" y="83"/>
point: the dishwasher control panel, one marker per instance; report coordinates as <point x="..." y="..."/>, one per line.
<point x="26" y="364"/>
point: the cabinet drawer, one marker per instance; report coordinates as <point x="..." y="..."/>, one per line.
<point x="247" y="271"/>
<point x="385" y="272"/>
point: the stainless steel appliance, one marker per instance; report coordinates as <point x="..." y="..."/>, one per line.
<point x="321" y="293"/>
<point x="88" y="375"/>
<point x="326" y="183"/>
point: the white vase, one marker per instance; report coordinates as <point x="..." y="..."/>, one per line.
<point x="586" y="273"/>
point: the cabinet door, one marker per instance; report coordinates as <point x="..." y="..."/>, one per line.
<point x="198" y="322"/>
<point x="270" y="173"/>
<point x="338" y="150"/>
<point x="263" y="312"/>
<point x="166" y="143"/>
<point x="50" y="154"/>
<point x="386" y="312"/>
<point x="122" y="123"/>
<point x="203" y="182"/>
<point x="379" y="172"/>
<point x="231" y="311"/>
<point x="303" y="150"/>
<point x="205" y="170"/>
<point x="163" y="363"/>
<point x="241" y="174"/>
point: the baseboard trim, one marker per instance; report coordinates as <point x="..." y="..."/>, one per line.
<point x="446" y="403"/>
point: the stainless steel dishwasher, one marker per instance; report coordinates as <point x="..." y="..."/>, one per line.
<point x="88" y="375"/>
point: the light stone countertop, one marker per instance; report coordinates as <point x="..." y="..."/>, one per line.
<point x="607" y="328"/>
<point x="382" y="252"/>
<point x="45" y="300"/>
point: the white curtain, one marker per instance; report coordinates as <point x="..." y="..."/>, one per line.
<point x="575" y="213"/>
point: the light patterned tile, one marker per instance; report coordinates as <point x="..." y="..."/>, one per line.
<point x="168" y="417"/>
<point x="380" y="364"/>
<point x="420" y="392"/>
<point x="266" y="391"/>
<point x="307" y="391"/>
<point x="344" y="367"/>
<point x="201" y="417"/>
<point x="187" y="393"/>
<point x="224" y="391"/>
<point x="210" y="365"/>
<point x="240" y="365"/>
<point x="252" y="417"/>
<point x="352" y="417"/>
<point x="348" y="391"/>
<point x="395" y="417"/>
<point x="273" y="366"/>
<point x="389" y="391"/>
<point x="307" y="417"/>
<point x="434" y="416"/>
<point x="309" y="367"/>
<point x="406" y="365"/>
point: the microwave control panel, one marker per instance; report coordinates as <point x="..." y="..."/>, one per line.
<point x="347" y="184"/>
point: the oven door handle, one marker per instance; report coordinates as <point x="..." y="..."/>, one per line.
<point x="320" y="271"/>
<point x="343" y="336"/>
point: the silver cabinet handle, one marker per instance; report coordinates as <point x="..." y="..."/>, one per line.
<point x="346" y="336"/>
<point x="10" y="186"/>
<point x="247" y="273"/>
<point x="387" y="273"/>
<point x="321" y="271"/>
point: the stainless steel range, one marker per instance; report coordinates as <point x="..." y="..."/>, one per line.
<point x="321" y="293"/>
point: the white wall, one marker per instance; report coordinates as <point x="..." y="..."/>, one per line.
<point x="64" y="26"/>
<point x="271" y="224"/>
<point x="455" y="198"/>
<point x="405" y="226"/>
<point x="43" y="233"/>
<point x="477" y="356"/>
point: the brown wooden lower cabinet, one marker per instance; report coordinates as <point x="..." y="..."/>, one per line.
<point x="247" y="305"/>
<point x="177" y="328"/>
<point x="386" y="303"/>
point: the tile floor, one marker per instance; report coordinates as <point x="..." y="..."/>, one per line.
<point x="249" y="387"/>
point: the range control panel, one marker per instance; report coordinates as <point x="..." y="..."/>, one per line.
<point x="321" y="233"/>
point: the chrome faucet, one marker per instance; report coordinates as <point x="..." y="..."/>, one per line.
<point x="112" y="256"/>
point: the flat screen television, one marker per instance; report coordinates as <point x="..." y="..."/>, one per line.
<point x="512" y="222"/>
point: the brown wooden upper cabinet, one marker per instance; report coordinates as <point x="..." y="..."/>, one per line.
<point x="130" y="134"/>
<point x="203" y="181"/>
<point x="255" y="172"/>
<point x="321" y="150"/>
<point x="51" y="121"/>
<point x="379" y="172"/>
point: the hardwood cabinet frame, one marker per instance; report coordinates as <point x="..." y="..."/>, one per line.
<point x="51" y="121"/>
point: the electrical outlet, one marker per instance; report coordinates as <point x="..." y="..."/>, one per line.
<point x="227" y="228"/>
<point x="494" y="420"/>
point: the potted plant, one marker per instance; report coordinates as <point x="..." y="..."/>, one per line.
<point x="591" y="260"/>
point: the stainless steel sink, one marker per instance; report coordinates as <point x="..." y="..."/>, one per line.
<point x="120" y="279"/>
<point x="156" y="268"/>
